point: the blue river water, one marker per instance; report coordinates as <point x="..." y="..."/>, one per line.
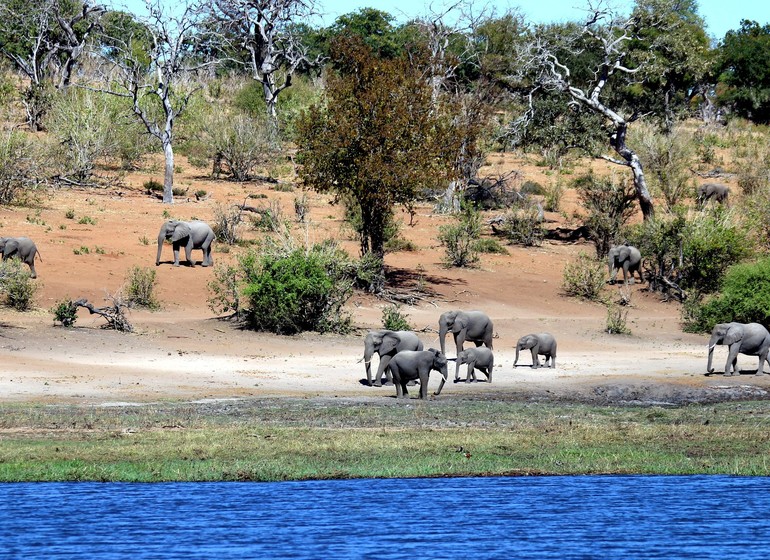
<point x="608" y="517"/>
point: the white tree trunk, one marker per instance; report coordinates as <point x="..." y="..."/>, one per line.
<point x="168" y="177"/>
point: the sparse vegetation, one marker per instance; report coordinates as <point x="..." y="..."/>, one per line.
<point x="584" y="278"/>
<point x="460" y="240"/>
<point x="139" y="288"/>
<point x="17" y="287"/>
<point x="393" y="319"/>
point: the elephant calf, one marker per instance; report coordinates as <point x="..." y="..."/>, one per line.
<point x="543" y="344"/>
<point x="22" y="248"/>
<point x="627" y="258"/>
<point x="713" y="191"/>
<point x="187" y="235"/>
<point x="479" y="358"/>
<point x="410" y="365"/>
<point x="741" y="338"/>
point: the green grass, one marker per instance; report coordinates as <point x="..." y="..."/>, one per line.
<point x="288" y="439"/>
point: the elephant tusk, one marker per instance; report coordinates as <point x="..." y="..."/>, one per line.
<point x="711" y="346"/>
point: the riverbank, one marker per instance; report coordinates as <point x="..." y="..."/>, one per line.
<point x="321" y="438"/>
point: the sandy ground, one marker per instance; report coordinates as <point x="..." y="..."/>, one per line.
<point x="184" y="352"/>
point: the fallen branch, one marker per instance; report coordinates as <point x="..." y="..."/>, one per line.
<point x="114" y="314"/>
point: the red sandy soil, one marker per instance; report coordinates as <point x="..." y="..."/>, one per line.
<point x="185" y="352"/>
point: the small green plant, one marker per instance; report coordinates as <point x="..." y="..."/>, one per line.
<point x="460" y="239"/>
<point x="99" y="250"/>
<point x="553" y="195"/>
<point x="144" y="240"/>
<point x="166" y="214"/>
<point x="201" y="194"/>
<point x="82" y="251"/>
<point x="399" y="243"/>
<point x="153" y="186"/>
<point x="179" y="191"/>
<point x="492" y="246"/>
<point x="283" y="187"/>
<point x="16" y="285"/>
<point x="394" y="320"/>
<point x="522" y="227"/>
<point x="87" y="220"/>
<point x="70" y="214"/>
<point x="617" y="317"/>
<point x="139" y="288"/>
<point x="65" y="312"/>
<point x="584" y="278"/>
<point x="532" y="187"/>
<point x="62" y="226"/>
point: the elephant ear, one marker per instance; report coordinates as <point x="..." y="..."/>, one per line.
<point x="461" y="323"/>
<point x="11" y="246"/>
<point x="181" y="231"/>
<point x="734" y="334"/>
<point x="389" y="343"/>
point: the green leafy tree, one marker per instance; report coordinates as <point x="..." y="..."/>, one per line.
<point x="377" y="140"/>
<point x="745" y="63"/>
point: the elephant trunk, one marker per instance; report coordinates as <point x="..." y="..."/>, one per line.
<point x="368" y="353"/>
<point x="709" y="368"/>
<point x="443" y="380"/>
<point x="517" y="356"/>
<point x="457" y="369"/>
<point x="442" y="331"/>
<point x="161" y="240"/>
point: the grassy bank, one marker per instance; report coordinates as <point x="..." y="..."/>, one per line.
<point x="285" y="439"/>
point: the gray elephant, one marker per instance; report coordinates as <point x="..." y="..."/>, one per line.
<point x="386" y="344"/>
<point x="190" y="235"/>
<point x="712" y="191"/>
<point x="542" y="344"/>
<point x="479" y="358"/>
<point x="473" y="326"/>
<point x="744" y="338"/>
<point x="22" y="248"/>
<point x="628" y="258"/>
<point x="411" y="365"/>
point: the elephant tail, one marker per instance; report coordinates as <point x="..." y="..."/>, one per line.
<point x="37" y="255"/>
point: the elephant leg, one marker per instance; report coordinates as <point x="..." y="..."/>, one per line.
<point x="535" y="359"/>
<point x="731" y="366"/>
<point x="188" y="253"/>
<point x="176" y="255"/>
<point x="207" y="261"/>
<point x="459" y="342"/>
<point x="470" y="374"/>
<point x="32" y="269"/>
<point x="489" y="373"/>
<point x="424" y="385"/>
<point x="762" y="358"/>
<point x="383" y="367"/>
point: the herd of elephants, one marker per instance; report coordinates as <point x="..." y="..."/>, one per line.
<point x="402" y="358"/>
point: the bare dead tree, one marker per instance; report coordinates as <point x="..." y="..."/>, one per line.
<point x="611" y="37"/>
<point x="160" y="80"/>
<point x="44" y="41"/>
<point x="263" y="30"/>
<point x="115" y="314"/>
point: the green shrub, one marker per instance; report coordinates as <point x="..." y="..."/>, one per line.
<point x="487" y="245"/>
<point x="459" y="239"/>
<point x="16" y="285"/>
<point x="398" y="243"/>
<point x="139" y="288"/>
<point x="87" y="220"/>
<point x="584" y="278"/>
<point x="152" y="186"/>
<point x="553" y="195"/>
<point x="18" y="168"/>
<point x="522" y="227"/>
<point x="744" y="297"/>
<point x="225" y="290"/>
<point x="609" y="203"/>
<point x="617" y="317"/>
<point x="532" y="187"/>
<point x="370" y="274"/>
<point x="394" y="320"/>
<point x="65" y="312"/>
<point x="295" y="293"/>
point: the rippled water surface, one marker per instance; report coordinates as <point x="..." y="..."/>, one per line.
<point x="611" y="517"/>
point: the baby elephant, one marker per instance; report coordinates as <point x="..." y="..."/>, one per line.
<point x="543" y="344"/>
<point x="22" y="248"/>
<point x="479" y="358"/>
<point x="410" y="365"/>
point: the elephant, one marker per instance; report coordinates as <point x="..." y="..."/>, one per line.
<point x="190" y="235"/>
<point x="474" y="326"/>
<point x="628" y="258"/>
<point x="478" y="358"/>
<point x="542" y="344"/>
<point x="746" y="338"/>
<point x="22" y="248"/>
<point x="410" y="365"/>
<point x="712" y="191"/>
<point x="387" y="344"/>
